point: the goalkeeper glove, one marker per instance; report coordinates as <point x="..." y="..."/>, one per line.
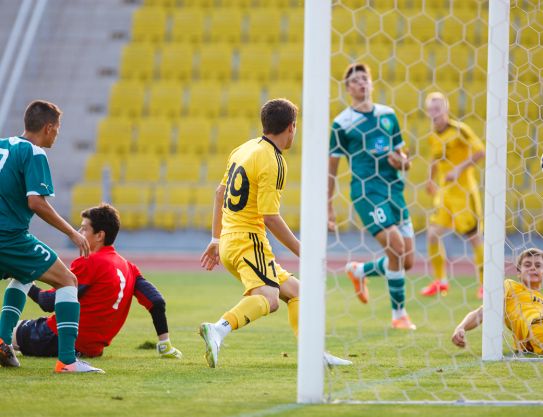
<point x="167" y="351"/>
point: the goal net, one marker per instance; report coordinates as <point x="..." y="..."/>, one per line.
<point x="413" y="48"/>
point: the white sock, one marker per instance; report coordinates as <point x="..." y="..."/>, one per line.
<point x="223" y="327"/>
<point x="396" y="314"/>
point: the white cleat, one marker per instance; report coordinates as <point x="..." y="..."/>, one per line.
<point x="213" y="343"/>
<point x="332" y="360"/>
<point x="7" y="355"/>
<point x="77" y="366"/>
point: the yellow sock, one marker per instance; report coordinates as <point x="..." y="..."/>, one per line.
<point x="478" y="255"/>
<point x="249" y="309"/>
<point x="292" y="306"/>
<point x="436" y="253"/>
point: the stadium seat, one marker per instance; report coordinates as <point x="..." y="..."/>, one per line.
<point x="422" y="28"/>
<point x="225" y="25"/>
<point x="215" y="61"/>
<point x="182" y="168"/>
<point x="264" y="25"/>
<point x="188" y="25"/>
<point x="154" y="136"/>
<point x="291" y="90"/>
<point x="255" y="62"/>
<point x="165" y="4"/>
<point x="290" y="205"/>
<point x="132" y="201"/>
<point x="406" y="98"/>
<point x="205" y="99"/>
<point x="149" y="24"/>
<point x="215" y="168"/>
<point x="137" y="61"/>
<point x="126" y="99"/>
<point x="176" y="62"/>
<point x="142" y="168"/>
<point x="290" y="62"/>
<point x="231" y="133"/>
<point x="172" y="204"/>
<point x="295" y="30"/>
<point x="294" y="169"/>
<point x="85" y="195"/>
<point x="165" y="99"/>
<point x="203" y="208"/>
<point x="98" y="163"/>
<point x="114" y="135"/>
<point x="194" y="135"/>
<point x="243" y="99"/>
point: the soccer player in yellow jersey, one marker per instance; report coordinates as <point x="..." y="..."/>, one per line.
<point x="523" y="305"/>
<point x="455" y="150"/>
<point x="246" y="203"/>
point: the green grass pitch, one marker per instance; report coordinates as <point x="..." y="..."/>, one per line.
<point x="257" y="366"/>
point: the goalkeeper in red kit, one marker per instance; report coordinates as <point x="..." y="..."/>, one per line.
<point x="106" y="284"/>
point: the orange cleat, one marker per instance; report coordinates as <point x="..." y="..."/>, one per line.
<point x="480" y="293"/>
<point x="76" y="367"/>
<point x="436" y="287"/>
<point x="359" y="281"/>
<point x="403" y="323"/>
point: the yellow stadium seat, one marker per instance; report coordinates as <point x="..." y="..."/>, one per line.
<point x="114" y="135"/>
<point x="295" y="31"/>
<point x="172" y="206"/>
<point x="142" y="168"/>
<point x="154" y="136"/>
<point x="166" y="4"/>
<point x="203" y="4"/>
<point x="137" y="61"/>
<point x="132" y="201"/>
<point x="406" y="98"/>
<point x="126" y="99"/>
<point x="84" y="195"/>
<point x="216" y="61"/>
<point x="291" y="90"/>
<point x="290" y="62"/>
<point x="225" y="25"/>
<point x="243" y="98"/>
<point x="194" y="135"/>
<point x="97" y="164"/>
<point x="237" y="4"/>
<point x="176" y="62"/>
<point x="183" y="168"/>
<point x="231" y="133"/>
<point x="205" y="99"/>
<point x="188" y="25"/>
<point x="215" y="168"/>
<point x="149" y="24"/>
<point x="166" y="99"/>
<point x="203" y="208"/>
<point x="422" y="28"/>
<point x="264" y="25"/>
<point x="255" y="62"/>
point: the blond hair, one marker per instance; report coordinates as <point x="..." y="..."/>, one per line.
<point x="436" y="95"/>
<point x="526" y="253"/>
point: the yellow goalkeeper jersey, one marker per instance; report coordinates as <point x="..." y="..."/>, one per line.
<point x="523" y="307"/>
<point x="254" y="179"/>
<point x="450" y="148"/>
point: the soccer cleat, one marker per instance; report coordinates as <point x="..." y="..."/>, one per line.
<point x="331" y="360"/>
<point x="77" y="366"/>
<point x="359" y="281"/>
<point x="480" y="293"/>
<point x="167" y="351"/>
<point x="436" y="287"/>
<point x="7" y="355"/>
<point x="213" y="343"/>
<point x="403" y="323"/>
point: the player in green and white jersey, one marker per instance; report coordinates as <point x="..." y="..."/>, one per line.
<point x="25" y="182"/>
<point x="368" y="134"/>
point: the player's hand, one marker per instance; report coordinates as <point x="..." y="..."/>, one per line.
<point x="331" y="218"/>
<point x="431" y="187"/>
<point x="398" y="160"/>
<point x="452" y="175"/>
<point x="81" y="242"/>
<point x="210" y="258"/>
<point x="167" y="351"/>
<point x="459" y="337"/>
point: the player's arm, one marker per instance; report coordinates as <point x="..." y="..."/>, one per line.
<point x="210" y="257"/>
<point x="46" y="298"/>
<point x="472" y="320"/>
<point x="431" y="185"/>
<point x="39" y="205"/>
<point x="151" y="298"/>
<point x="462" y="166"/>
<point x="399" y="160"/>
<point x="282" y="232"/>
<point x="333" y="164"/>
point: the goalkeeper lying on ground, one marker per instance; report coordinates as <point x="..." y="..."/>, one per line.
<point x="523" y="305"/>
<point x="106" y="284"/>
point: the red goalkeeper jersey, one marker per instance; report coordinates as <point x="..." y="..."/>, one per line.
<point x="110" y="280"/>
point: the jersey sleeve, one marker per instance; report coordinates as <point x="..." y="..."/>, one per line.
<point x="475" y="143"/>
<point x="436" y="149"/>
<point x="82" y="270"/>
<point x="271" y="180"/>
<point x="37" y="173"/>
<point x="338" y="141"/>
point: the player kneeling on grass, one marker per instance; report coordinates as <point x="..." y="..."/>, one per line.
<point x="246" y="203"/>
<point x="523" y="305"/>
<point x="106" y="284"/>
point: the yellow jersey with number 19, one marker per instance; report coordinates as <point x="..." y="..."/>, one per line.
<point x="254" y="179"/>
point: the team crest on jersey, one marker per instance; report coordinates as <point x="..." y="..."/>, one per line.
<point x="386" y="124"/>
<point x="380" y="145"/>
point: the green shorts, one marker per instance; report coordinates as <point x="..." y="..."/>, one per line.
<point x="24" y="257"/>
<point x="378" y="213"/>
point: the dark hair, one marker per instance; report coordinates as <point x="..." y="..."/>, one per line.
<point x="526" y="253"/>
<point x="277" y="114"/>
<point x="104" y="218"/>
<point x="354" y="68"/>
<point x="39" y="113"/>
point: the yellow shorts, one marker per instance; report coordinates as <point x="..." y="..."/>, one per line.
<point x="461" y="212"/>
<point x="249" y="257"/>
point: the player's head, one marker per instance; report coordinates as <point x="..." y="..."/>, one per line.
<point x="278" y="117"/>
<point x="43" y="118"/>
<point x="530" y="268"/>
<point x="100" y="225"/>
<point x="437" y="107"/>
<point x="358" y="82"/>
